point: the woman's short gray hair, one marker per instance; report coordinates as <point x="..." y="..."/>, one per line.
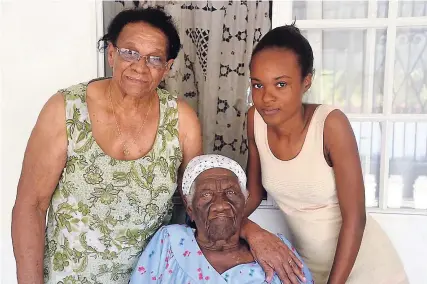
<point x="202" y="163"/>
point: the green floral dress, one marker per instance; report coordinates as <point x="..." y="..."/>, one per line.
<point x="104" y="210"/>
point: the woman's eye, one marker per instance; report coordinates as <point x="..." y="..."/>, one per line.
<point x="281" y="84"/>
<point x="230" y="192"/>
<point x="257" y="86"/>
<point x="206" y="194"/>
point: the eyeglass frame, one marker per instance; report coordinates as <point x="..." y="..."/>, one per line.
<point x="119" y="52"/>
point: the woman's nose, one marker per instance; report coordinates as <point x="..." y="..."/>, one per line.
<point x="267" y="96"/>
<point x="219" y="203"/>
<point x="140" y="66"/>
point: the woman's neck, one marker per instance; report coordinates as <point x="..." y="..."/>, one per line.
<point x="127" y="103"/>
<point x="224" y="257"/>
<point x="293" y="126"/>
<point x="228" y="245"/>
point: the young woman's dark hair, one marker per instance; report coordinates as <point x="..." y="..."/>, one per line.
<point x="289" y="37"/>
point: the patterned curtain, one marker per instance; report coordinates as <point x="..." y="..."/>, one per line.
<point x="211" y="71"/>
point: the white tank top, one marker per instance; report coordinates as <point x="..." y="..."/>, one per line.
<point x="306" y="182"/>
<point x="304" y="189"/>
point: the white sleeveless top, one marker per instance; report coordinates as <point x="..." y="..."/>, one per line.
<point x="304" y="189"/>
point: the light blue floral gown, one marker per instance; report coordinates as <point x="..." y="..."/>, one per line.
<point x="173" y="256"/>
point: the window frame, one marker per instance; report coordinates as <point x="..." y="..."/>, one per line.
<point x="282" y="13"/>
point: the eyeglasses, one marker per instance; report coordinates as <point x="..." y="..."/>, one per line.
<point x="134" y="56"/>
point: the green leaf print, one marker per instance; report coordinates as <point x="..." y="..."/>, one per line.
<point x="60" y="261"/>
<point x="152" y="209"/>
<point x="76" y="255"/>
<point x="134" y="201"/>
<point x="83" y="242"/>
<point x="107" y="194"/>
<point x="101" y="225"/>
<point x="64" y="221"/>
<point x="112" y="162"/>
<point x="170" y="129"/>
<point x="163" y="166"/>
<point x="67" y="188"/>
<point x="73" y="122"/>
<point x="66" y="248"/>
<point x="50" y="248"/>
<point x="172" y="172"/>
<point x="87" y="145"/>
<point x="82" y="266"/>
<point x="82" y="163"/>
<point x="110" y="220"/>
<point x="164" y="143"/>
<point x="72" y="161"/>
<point x="83" y="208"/>
<point x="93" y="175"/>
<point x="66" y="208"/>
<point x="109" y="255"/>
<point x="82" y="135"/>
<point x="168" y="113"/>
<point x="73" y="280"/>
<point x="117" y="272"/>
<point x="161" y="189"/>
<point x="173" y="122"/>
<point x="151" y="167"/>
<point x="175" y="132"/>
<point x="131" y="237"/>
<point x="135" y="177"/>
<point x="71" y="164"/>
<point x="121" y="177"/>
<point x="143" y="170"/>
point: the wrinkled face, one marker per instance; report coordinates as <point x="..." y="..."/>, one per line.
<point x="277" y="85"/>
<point x="218" y="204"/>
<point x="138" y="77"/>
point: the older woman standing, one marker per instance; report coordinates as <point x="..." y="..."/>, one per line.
<point x="215" y="189"/>
<point x="103" y="158"/>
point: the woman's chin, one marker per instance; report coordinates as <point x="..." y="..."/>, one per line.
<point x="136" y="90"/>
<point x="221" y="228"/>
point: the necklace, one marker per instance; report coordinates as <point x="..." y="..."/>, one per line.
<point x="126" y="151"/>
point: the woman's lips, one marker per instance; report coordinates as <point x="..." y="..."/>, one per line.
<point x="221" y="215"/>
<point x="271" y="111"/>
<point x="135" y="80"/>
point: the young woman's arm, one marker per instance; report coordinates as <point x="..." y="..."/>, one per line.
<point x="341" y="148"/>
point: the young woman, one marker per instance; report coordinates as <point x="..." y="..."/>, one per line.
<point x="306" y="157"/>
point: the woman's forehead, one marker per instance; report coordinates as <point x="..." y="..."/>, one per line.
<point x="142" y="33"/>
<point x="274" y="62"/>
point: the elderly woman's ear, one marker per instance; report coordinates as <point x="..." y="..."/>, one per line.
<point x="189" y="210"/>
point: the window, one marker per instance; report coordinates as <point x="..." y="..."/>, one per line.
<point x="371" y="62"/>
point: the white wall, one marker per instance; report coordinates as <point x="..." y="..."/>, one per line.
<point x="407" y="232"/>
<point x="45" y="46"/>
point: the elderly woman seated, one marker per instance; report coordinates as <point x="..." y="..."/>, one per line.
<point x="215" y="189"/>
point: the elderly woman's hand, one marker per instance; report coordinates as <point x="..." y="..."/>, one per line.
<point x="274" y="256"/>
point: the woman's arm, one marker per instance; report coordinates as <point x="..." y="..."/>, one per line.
<point x="254" y="183"/>
<point x="270" y="252"/>
<point x="341" y="148"/>
<point x="44" y="161"/>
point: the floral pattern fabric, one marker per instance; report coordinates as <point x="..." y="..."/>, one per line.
<point x="104" y="210"/>
<point x="173" y="256"/>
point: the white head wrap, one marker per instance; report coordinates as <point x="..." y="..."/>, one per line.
<point x="202" y="163"/>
